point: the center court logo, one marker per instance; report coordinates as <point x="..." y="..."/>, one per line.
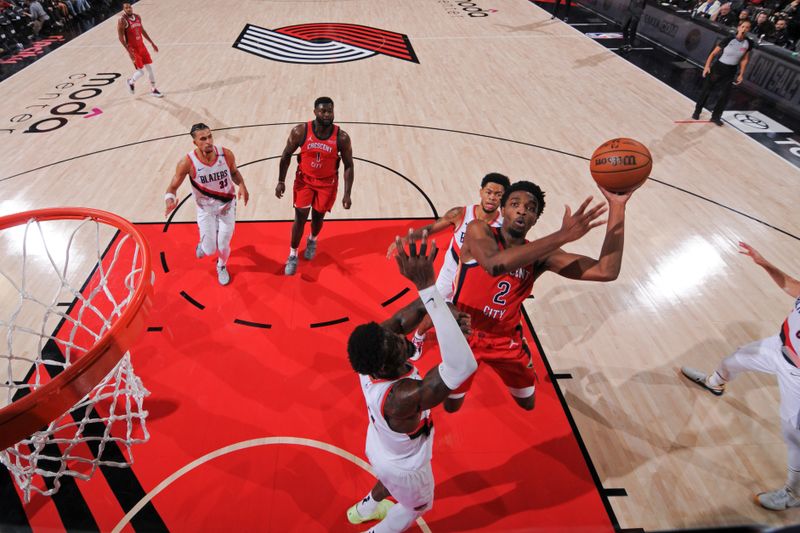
<point x="323" y="43"/>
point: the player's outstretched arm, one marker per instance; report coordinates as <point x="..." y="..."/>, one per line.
<point x="236" y="176"/>
<point x="790" y="285"/>
<point x="458" y="363"/>
<point x="346" y="151"/>
<point x="293" y="143"/>
<point x="608" y="265"/>
<point x="181" y="171"/>
<point x="451" y="218"/>
<point x="481" y="244"/>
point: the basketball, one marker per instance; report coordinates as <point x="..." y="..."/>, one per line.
<point x="621" y="164"/>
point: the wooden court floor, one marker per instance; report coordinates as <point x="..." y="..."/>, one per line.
<point x="511" y="92"/>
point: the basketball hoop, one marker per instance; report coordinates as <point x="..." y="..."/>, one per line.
<point x="68" y="393"/>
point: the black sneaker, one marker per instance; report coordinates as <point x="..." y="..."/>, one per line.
<point x="696" y="116"/>
<point x="717" y="121"/>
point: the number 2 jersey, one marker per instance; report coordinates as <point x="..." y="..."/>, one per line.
<point x="212" y="186"/>
<point x="494" y="303"/>
<point x="406" y="451"/>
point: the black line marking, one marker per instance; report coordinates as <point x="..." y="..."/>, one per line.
<point x="563" y="375"/>
<point x="12" y="512"/>
<point x="252" y="324"/>
<point x="164" y="266"/>
<point x="63" y="304"/>
<point x="615" y="492"/>
<point x="530" y="297"/>
<point x="395" y="297"/>
<point x="390" y="124"/>
<point x="427" y="199"/>
<point x="586" y="457"/>
<point x="155" y="328"/>
<point x="192" y="301"/>
<point x="330" y="322"/>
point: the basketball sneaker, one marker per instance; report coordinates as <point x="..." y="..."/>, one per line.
<point x="380" y="513"/>
<point x="131" y="86"/>
<point x="156" y="93"/>
<point x="311" y="249"/>
<point x="778" y="500"/>
<point x="702" y="380"/>
<point x="222" y="275"/>
<point x="291" y="265"/>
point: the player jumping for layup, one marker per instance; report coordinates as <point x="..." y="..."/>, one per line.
<point x="400" y="433"/>
<point x="493" y="185"/>
<point x="130" y="32"/>
<point x="212" y="172"/>
<point x="317" y="178"/>
<point x="498" y="268"/>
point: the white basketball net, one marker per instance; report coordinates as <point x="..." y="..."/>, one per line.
<point x="100" y="429"/>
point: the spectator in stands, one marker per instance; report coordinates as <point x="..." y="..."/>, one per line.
<point x="792" y="13"/>
<point x="37" y="15"/>
<point x="744" y="14"/>
<point x="734" y="53"/>
<point x="633" y="14"/>
<point x="763" y="27"/>
<point x="726" y="16"/>
<point x="706" y="9"/>
<point x="781" y="34"/>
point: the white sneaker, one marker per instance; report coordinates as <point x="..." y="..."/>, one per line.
<point x="222" y="275"/>
<point x="701" y="379"/>
<point x="778" y="500"/>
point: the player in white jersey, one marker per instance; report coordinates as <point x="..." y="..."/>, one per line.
<point x="400" y="434"/>
<point x="212" y="172"/>
<point x="776" y="355"/>
<point x="493" y="186"/>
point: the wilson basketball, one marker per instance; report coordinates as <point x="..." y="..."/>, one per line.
<point x="621" y="164"/>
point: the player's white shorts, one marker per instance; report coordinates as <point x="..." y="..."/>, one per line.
<point x="216" y="222"/>
<point x="765" y="356"/>
<point x="412" y="488"/>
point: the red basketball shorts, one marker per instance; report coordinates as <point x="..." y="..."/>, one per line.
<point x="507" y="357"/>
<point x="141" y="56"/>
<point x="320" y="195"/>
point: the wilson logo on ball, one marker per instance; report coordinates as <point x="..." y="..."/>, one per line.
<point x="620" y="165"/>
<point x="323" y="43"/>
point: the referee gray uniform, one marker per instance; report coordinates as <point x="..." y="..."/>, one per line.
<point x="722" y="74"/>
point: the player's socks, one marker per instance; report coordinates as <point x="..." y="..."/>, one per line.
<point x="715" y="380"/>
<point x="292" y="252"/>
<point x="367" y="506"/>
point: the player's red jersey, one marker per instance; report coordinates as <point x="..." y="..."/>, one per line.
<point x="493" y="302"/>
<point x="133" y="30"/>
<point x="319" y="158"/>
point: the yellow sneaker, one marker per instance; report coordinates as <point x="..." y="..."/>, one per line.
<point x="380" y="513"/>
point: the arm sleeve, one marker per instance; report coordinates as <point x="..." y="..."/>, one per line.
<point x="458" y="363"/>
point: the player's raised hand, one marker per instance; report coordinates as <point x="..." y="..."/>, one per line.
<point x="417" y="265"/>
<point x="576" y="225"/>
<point x="618" y="198"/>
<point x="751" y="252"/>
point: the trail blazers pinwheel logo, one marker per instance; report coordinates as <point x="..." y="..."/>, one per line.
<point x="324" y="43"/>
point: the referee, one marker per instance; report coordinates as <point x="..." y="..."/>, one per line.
<point x="735" y="53"/>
